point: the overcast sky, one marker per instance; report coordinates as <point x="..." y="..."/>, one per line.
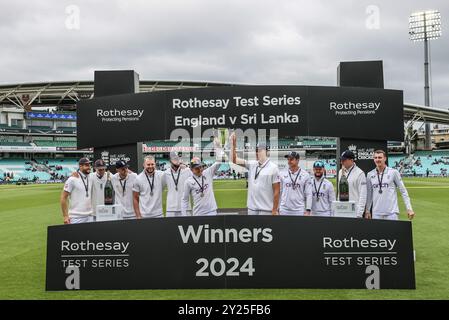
<point x="243" y="41"/>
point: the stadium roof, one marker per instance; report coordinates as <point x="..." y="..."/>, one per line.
<point x="415" y="112"/>
<point x="68" y="93"/>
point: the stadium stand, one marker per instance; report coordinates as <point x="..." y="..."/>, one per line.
<point x="49" y="143"/>
<point x="18" y="169"/>
<point x="422" y="163"/>
<point x="60" y="167"/>
<point x="14" y="144"/>
<point x="12" y="141"/>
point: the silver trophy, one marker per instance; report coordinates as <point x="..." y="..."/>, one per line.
<point x="221" y="142"/>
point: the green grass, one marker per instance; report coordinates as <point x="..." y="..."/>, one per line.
<point x="26" y="211"/>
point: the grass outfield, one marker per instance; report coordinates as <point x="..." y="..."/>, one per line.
<point x="26" y="211"/>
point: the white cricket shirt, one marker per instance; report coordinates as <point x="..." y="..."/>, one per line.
<point x="150" y="204"/>
<point x="123" y="189"/>
<point x="386" y="202"/>
<point x="97" y="189"/>
<point x="80" y="205"/>
<point x="322" y="197"/>
<point x="296" y="192"/>
<point x="260" y="189"/>
<point x="174" y="194"/>
<point x="195" y="186"/>
<point x="357" y="187"/>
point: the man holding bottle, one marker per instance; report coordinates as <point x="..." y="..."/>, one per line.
<point x="356" y="182"/>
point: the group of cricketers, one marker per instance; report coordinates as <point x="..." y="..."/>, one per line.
<point x="270" y="191"/>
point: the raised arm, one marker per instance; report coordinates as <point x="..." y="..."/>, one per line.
<point x="234" y="158"/>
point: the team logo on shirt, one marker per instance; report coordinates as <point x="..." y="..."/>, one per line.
<point x="384" y="185"/>
<point x="198" y="190"/>
<point x="320" y="194"/>
<point x="291" y="185"/>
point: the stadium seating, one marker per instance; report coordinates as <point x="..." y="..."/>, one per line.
<point x="437" y="162"/>
<point x="48" y="143"/>
<point x="68" y="165"/>
<point x="18" y="168"/>
<point x="14" y="144"/>
<point x="318" y="143"/>
<point x="41" y="128"/>
<point x="12" y="141"/>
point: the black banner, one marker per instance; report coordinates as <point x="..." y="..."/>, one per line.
<point x="231" y="252"/>
<point x="292" y="110"/>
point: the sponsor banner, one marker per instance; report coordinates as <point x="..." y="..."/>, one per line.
<point x="49" y="132"/>
<point x="154" y="149"/>
<point x="73" y="149"/>
<point x="231" y="252"/>
<point x="50" y="116"/>
<point x="292" y="110"/>
<point x="27" y="149"/>
<point x="331" y="172"/>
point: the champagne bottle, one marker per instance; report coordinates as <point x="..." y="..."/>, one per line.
<point x="343" y="188"/>
<point x="108" y="191"/>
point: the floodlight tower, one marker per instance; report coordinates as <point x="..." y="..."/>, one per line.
<point x="425" y="26"/>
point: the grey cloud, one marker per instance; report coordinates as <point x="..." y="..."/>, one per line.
<point x="283" y="42"/>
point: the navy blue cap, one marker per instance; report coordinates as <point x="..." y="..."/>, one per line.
<point x="348" y="154"/>
<point x="84" y="161"/>
<point x="99" y="164"/>
<point x="292" y="154"/>
<point x="121" y="164"/>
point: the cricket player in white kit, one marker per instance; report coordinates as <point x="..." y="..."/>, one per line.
<point x="356" y="181"/>
<point x="98" y="180"/>
<point x="323" y="193"/>
<point x="199" y="186"/>
<point x="381" y="187"/>
<point x="296" y="188"/>
<point x="79" y="192"/>
<point x="123" y="182"/>
<point x="147" y="191"/>
<point x="175" y="179"/>
<point x="263" y="180"/>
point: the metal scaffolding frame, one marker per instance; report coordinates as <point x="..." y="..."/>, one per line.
<point x="70" y="92"/>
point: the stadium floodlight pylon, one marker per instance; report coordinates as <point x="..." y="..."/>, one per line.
<point x="425" y="26"/>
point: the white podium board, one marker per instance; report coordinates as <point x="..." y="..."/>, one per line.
<point x="229" y="213"/>
<point x="109" y="213"/>
<point x="344" y="209"/>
